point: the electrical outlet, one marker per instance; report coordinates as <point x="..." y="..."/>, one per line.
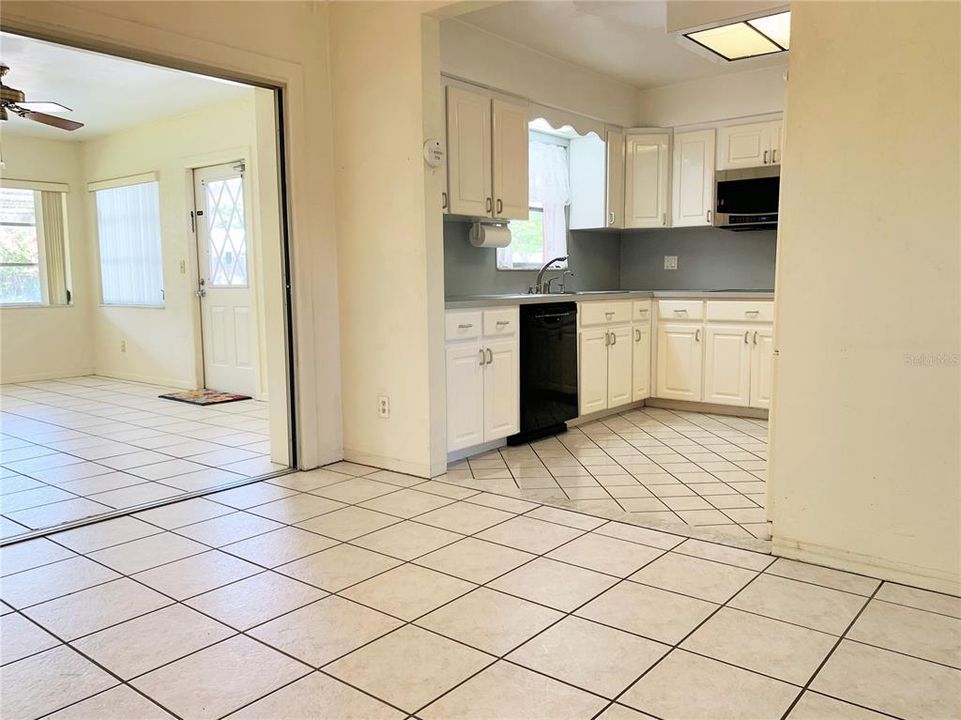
<point x="123" y="346"/>
<point x="383" y="406"/>
<point x="670" y="262"/>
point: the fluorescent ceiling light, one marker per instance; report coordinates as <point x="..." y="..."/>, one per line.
<point x="736" y="41"/>
<point x="777" y="27"/>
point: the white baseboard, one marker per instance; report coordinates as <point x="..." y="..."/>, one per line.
<point x="177" y="383"/>
<point x="475" y="450"/>
<point x="47" y="375"/>
<point x="866" y="565"/>
<point x="421" y="470"/>
<point x="713" y="408"/>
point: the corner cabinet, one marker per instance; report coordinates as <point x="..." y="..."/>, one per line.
<point x="483" y="376"/>
<point x="692" y="192"/>
<point x="646" y="179"/>
<point x="487" y="155"/>
<point x="749" y="145"/>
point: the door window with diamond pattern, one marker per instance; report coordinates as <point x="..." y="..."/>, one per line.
<point x="226" y="232"/>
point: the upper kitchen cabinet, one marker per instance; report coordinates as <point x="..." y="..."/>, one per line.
<point x="751" y="145"/>
<point x="597" y="181"/>
<point x="646" y="179"/>
<point x="487" y="151"/>
<point x="693" y="178"/>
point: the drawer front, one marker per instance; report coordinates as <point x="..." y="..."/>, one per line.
<point x="680" y="309"/>
<point x="642" y="311"/>
<point x="463" y="324"/>
<point x="500" y="322"/>
<point x="604" y="313"/>
<point x="740" y="310"/>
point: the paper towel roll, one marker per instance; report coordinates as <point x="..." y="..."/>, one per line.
<point x="490" y="235"/>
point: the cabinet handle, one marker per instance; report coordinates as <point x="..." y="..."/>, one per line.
<point x="752" y="313"/>
<point x="746" y="333"/>
<point x="637" y="335"/>
<point x="613" y="338"/>
<point x="755" y="337"/>
<point x="664" y="219"/>
<point x="481" y="351"/>
<point x="490" y="357"/>
<point x="490" y="204"/>
<point x="774" y="156"/>
<point x="697" y="335"/>
<point x="607" y="339"/>
<point x="443" y="204"/>
<point x="500" y="206"/>
<point x="465" y="326"/>
<point x="608" y="315"/>
<point x="610" y="218"/>
<point x="708" y="216"/>
<point x="680" y="311"/>
<point x="765" y="157"/>
<point x="502" y="323"/>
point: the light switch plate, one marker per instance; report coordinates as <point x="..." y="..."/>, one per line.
<point x="670" y="262"/>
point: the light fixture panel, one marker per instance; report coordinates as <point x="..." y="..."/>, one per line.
<point x="776" y="27"/>
<point x="734" y="42"/>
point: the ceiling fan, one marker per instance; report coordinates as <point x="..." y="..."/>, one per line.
<point x="14" y="101"/>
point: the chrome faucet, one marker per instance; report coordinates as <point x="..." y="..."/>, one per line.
<point x="539" y="287"/>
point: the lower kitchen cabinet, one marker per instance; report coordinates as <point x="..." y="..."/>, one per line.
<point x="483" y="376"/>
<point x="641" y="362"/>
<point x="727" y="365"/>
<point x="619" y="367"/>
<point x="679" y="361"/>
<point x="762" y="366"/>
<point x="592" y="370"/>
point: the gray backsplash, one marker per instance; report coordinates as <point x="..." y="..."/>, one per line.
<point x="708" y="259"/>
<point x="594" y="258"/>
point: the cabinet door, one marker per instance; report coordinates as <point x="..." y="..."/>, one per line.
<point x="679" y="361"/>
<point x="646" y="178"/>
<point x="693" y="176"/>
<point x="465" y="395"/>
<point x="501" y="389"/>
<point x="615" y="179"/>
<point x="592" y="366"/>
<point x="745" y="146"/>
<point x="762" y="366"/>
<point x="511" y="156"/>
<point x="641" y="374"/>
<point x="469" y="152"/>
<point x="776" y="132"/>
<point x="620" y="381"/>
<point x="727" y="365"/>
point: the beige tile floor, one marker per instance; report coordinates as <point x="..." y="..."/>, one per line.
<point x="351" y="592"/>
<point x="665" y="468"/>
<point x="84" y="446"/>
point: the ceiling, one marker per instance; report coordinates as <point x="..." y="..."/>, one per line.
<point x="625" y="40"/>
<point x="106" y="93"/>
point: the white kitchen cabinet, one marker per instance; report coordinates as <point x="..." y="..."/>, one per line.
<point x="501" y="389"/>
<point x="749" y="145"/>
<point x="693" y="178"/>
<point x="620" y="382"/>
<point x="679" y="360"/>
<point x="487" y="155"/>
<point x="483" y="376"/>
<point x="592" y="370"/>
<point x="465" y="394"/>
<point x="641" y="374"/>
<point x="727" y="364"/>
<point x="616" y="157"/>
<point x="469" y="152"/>
<point x="597" y="181"/>
<point x="646" y="180"/>
<point x="510" y="158"/>
<point x="762" y="366"/>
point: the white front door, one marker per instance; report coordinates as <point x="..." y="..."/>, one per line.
<point x="226" y="298"/>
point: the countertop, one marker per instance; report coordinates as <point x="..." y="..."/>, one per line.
<point x="474" y="301"/>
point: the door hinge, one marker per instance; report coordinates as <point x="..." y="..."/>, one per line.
<point x="193" y="222"/>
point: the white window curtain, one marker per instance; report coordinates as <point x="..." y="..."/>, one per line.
<point x="54" y="243"/>
<point x="128" y="224"/>
<point x="550" y="190"/>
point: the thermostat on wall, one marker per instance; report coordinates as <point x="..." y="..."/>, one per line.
<point x="433" y="152"/>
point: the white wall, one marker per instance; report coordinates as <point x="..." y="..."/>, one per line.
<point x="163" y="344"/>
<point x="282" y="43"/>
<point x="473" y="54"/>
<point x="753" y="92"/>
<point x="387" y="295"/>
<point x="52" y="341"/>
<point x="866" y="426"/>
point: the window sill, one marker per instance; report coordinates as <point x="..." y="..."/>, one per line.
<point x="132" y="307"/>
<point x="32" y="306"/>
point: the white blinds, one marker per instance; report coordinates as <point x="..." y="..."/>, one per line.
<point x="128" y="223"/>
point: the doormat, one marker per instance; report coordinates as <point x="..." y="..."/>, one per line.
<point x="203" y="397"/>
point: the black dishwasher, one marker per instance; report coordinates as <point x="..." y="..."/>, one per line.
<point x="548" y="360"/>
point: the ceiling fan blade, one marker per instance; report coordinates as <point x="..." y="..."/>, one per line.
<point x="52" y="120"/>
<point x="47" y="106"/>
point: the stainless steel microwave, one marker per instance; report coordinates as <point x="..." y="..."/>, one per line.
<point x="747" y="198"/>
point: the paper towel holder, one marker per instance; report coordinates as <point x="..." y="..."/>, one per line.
<point x="476" y="229"/>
